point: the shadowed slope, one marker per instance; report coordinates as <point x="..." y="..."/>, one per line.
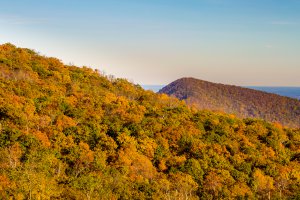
<point x="243" y="102"/>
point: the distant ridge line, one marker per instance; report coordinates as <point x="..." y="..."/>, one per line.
<point x="241" y="101"/>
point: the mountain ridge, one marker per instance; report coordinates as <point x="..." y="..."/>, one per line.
<point x="243" y="102"/>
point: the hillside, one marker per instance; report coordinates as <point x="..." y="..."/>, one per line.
<point x="71" y="133"/>
<point x="242" y="102"/>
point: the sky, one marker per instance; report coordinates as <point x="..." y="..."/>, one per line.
<point x="239" y="42"/>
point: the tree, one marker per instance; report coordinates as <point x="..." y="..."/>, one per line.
<point x="263" y="184"/>
<point x="213" y="184"/>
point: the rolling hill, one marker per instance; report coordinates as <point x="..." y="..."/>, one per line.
<point x="242" y="102"/>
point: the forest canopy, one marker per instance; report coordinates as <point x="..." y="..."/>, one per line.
<point x="70" y="132"/>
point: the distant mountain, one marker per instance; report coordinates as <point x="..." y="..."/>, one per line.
<point x="293" y="92"/>
<point x="242" y="102"/>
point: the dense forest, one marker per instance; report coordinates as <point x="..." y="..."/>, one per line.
<point x="242" y="102"/>
<point x="73" y="133"/>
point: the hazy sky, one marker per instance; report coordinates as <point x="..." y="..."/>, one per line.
<point x="241" y="42"/>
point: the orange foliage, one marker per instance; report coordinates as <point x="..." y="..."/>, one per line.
<point x="64" y="121"/>
<point x="42" y="137"/>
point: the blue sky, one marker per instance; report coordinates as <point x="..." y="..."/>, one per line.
<point x="240" y="42"/>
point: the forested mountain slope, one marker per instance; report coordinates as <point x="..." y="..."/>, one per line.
<point x="72" y="133"/>
<point x="242" y="102"/>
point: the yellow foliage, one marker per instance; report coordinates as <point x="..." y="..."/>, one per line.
<point x="148" y="147"/>
<point x="177" y="160"/>
<point x="263" y="182"/>
<point x="127" y="141"/>
<point x="241" y="189"/>
<point x="72" y="100"/>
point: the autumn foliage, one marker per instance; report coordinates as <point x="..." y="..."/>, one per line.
<point x="73" y="133"/>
